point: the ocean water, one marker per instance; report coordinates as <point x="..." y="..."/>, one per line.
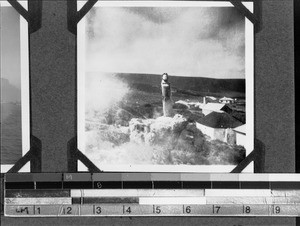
<point x="11" y="133"/>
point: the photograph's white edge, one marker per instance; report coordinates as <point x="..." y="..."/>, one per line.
<point x="249" y="74"/>
<point x="249" y="70"/>
<point x="25" y="83"/>
<point x="81" y="86"/>
<point x="24" y="70"/>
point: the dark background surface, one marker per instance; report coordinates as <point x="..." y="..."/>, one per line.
<point x="274" y="116"/>
<point x="274" y="86"/>
<point x="297" y="83"/>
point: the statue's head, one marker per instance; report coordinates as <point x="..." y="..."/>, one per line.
<point x="165" y="76"/>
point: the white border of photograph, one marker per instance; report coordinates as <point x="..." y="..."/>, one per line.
<point x="24" y="51"/>
<point x="249" y="75"/>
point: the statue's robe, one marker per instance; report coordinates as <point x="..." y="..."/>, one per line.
<point x="167" y="101"/>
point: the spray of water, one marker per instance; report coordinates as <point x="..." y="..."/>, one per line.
<point x="103" y="90"/>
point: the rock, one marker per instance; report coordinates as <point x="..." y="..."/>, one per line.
<point x="169" y="133"/>
<point x="138" y="128"/>
<point x="191" y="138"/>
<point x="178" y="141"/>
<point x="218" y="152"/>
<point x="114" y="135"/>
<point x="122" y="117"/>
<point x="164" y="130"/>
<point x="180" y="157"/>
<point x="190" y="141"/>
<point x="191" y="116"/>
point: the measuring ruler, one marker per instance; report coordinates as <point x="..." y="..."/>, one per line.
<point x="59" y="195"/>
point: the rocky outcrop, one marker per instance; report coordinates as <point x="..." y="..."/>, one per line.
<point x="177" y="140"/>
<point x="161" y="141"/>
<point x="169" y="133"/>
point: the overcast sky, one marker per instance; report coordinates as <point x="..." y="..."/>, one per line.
<point x="10" y="45"/>
<point x="189" y="41"/>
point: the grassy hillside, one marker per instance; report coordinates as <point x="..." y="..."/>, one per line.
<point x="142" y="98"/>
<point x="192" y="86"/>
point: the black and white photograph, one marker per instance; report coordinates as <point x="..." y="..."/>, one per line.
<point x="149" y="112"/>
<point x="165" y="86"/>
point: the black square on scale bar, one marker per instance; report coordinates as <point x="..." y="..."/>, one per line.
<point x="19" y="185"/>
<point x="49" y="185"/>
<point x="225" y="184"/>
<point x="107" y="184"/>
<point x="287" y="185"/>
<point x="196" y="184"/>
<point x="137" y="184"/>
<point x="255" y="185"/>
<point x="78" y="184"/>
<point x="167" y="184"/>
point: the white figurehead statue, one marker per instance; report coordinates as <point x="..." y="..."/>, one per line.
<point x="166" y="96"/>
